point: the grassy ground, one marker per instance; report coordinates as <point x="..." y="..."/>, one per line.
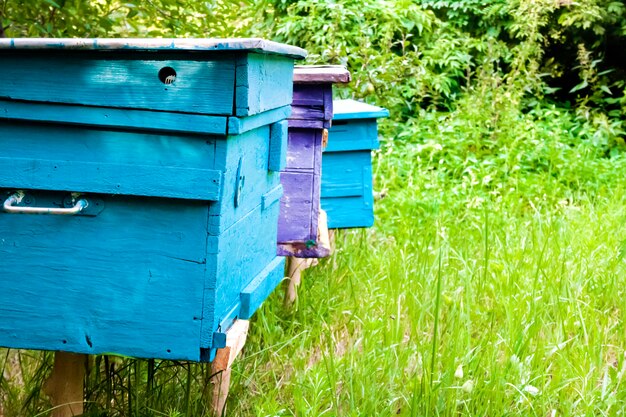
<point x="476" y="313"/>
<point x="474" y="301"/>
<point x="483" y="290"/>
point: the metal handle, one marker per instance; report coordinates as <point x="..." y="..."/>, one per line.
<point x="10" y="207"/>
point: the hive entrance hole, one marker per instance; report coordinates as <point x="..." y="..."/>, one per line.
<point x="167" y="75"/>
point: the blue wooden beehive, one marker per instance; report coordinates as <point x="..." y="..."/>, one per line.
<point x="347" y="194"/>
<point x="157" y="162"/>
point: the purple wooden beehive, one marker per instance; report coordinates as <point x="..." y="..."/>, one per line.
<point x="312" y="112"/>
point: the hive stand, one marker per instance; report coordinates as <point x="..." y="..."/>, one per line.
<point x="65" y="385"/>
<point x="302" y="230"/>
<point x="296" y="265"/>
<point x="221" y="365"/>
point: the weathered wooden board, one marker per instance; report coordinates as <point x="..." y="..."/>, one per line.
<point x="239" y="125"/>
<point x="301" y="147"/>
<point x="103" y="178"/>
<point x="138" y="120"/>
<point x="106" y="146"/>
<point x="126" y="83"/>
<point x="278" y="146"/>
<point x="221" y="366"/>
<point x="105" y="117"/>
<point x="312" y="106"/>
<point x="297" y="224"/>
<point x="257" y="78"/>
<point x="257" y="291"/>
<point x="349" y="109"/>
<point x="321" y="74"/>
<point x="353" y="136"/>
<point x="348" y="212"/>
<point x="349" y="174"/>
<point x="160" y="45"/>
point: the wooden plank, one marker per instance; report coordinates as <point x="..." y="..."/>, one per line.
<point x="306" y="124"/>
<point x="296" y="208"/>
<point x="351" y="109"/>
<point x="235" y="341"/>
<point x="301" y="152"/>
<point x="347" y="195"/>
<point x="104" y="117"/>
<point x="132" y="45"/>
<point x="263" y="82"/>
<point x="320" y="74"/>
<point x="253" y="295"/>
<point x="278" y="146"/>
<point x="343" y="174"/>
<point x="116" y="179"/>
<point x="20" y="139"/>
<point x="348" y="212"/>
<point x="352" y="135"/>
<point x="320" y="249"/>
<point x="312" y="106"/>
<point x="239" y="125"/>
<point x="307" y="117"/>
<point x="202" y="87"/>
<point x="271" y="197"/>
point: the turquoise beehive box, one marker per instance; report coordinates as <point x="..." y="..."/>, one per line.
<point x="347" y="191"/>
<point x="140" y="187"/>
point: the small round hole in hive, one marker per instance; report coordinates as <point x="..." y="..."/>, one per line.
<point x="167" y="75"/>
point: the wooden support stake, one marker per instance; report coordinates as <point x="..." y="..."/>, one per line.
<point x="65" y="385"/>
<point x="221" y="365"/>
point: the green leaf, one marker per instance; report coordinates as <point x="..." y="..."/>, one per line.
<point x="53" y="3"/>
<point x="580" y="86"/>
<point x="606" y="89"/>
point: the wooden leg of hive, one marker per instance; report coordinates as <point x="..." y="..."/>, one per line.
<point x="296" y="266"/>
<point x="331" y="239"/>
<point x="65" y="385"/>
<point x="294" y="273"/>
<point x="324" y="236"/>
<point x="221" y="365"/>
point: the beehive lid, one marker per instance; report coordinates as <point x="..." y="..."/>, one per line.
<point x="154" y="44"/>
<point x="315" y="74"/>
<point x="352" y="109"/>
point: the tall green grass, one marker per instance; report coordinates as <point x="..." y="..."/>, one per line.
<point x="491" y="291"/>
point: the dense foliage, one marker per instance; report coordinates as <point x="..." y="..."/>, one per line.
<point x="499" y="246"/>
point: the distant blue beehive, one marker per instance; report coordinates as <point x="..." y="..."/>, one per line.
<point x="347" y="194"/>
<point x="158" y="163"/>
